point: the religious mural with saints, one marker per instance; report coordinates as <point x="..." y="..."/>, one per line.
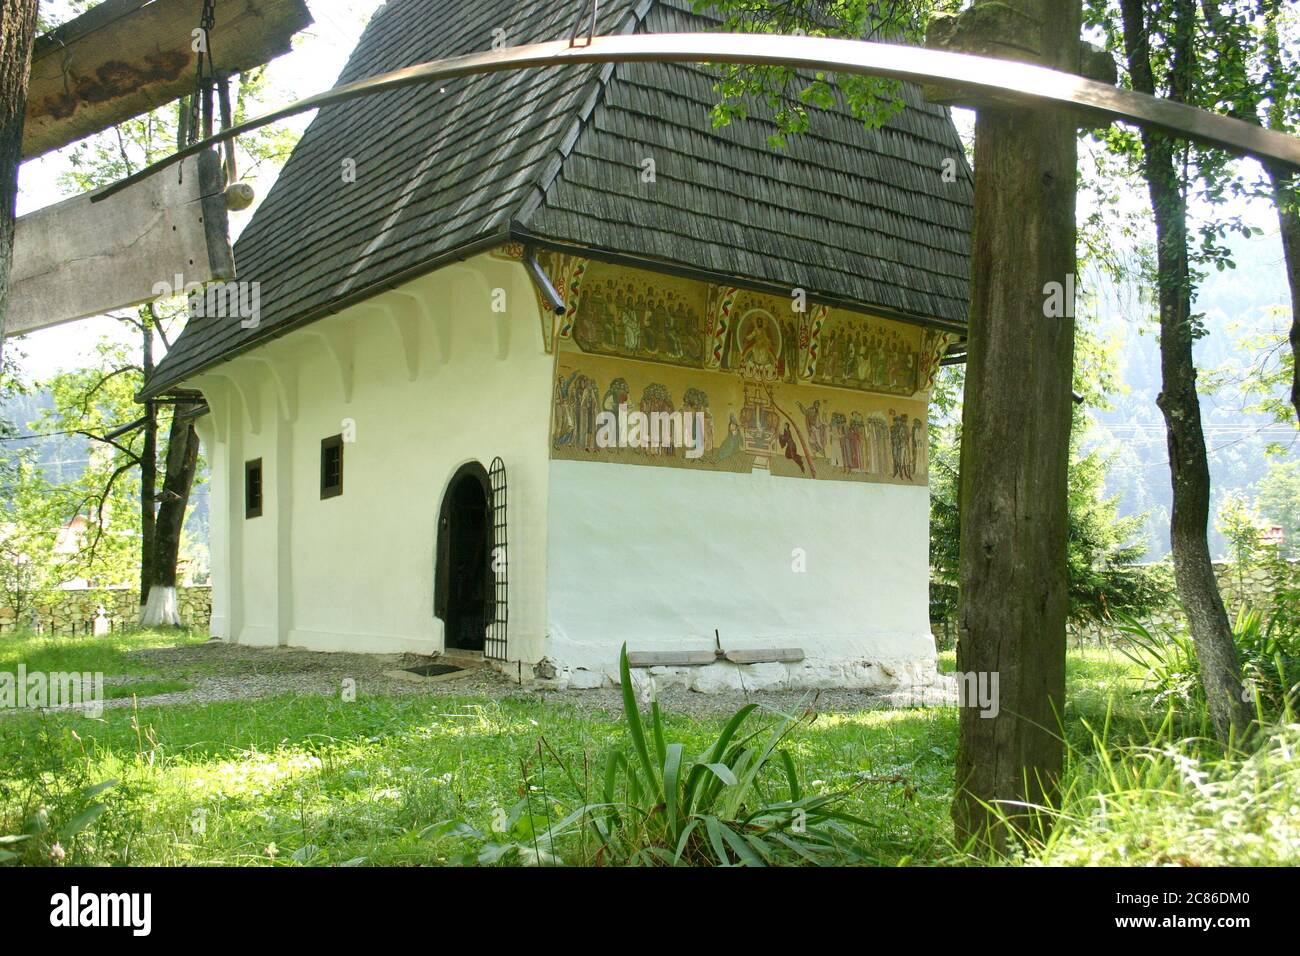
<point x="662" y="370"/>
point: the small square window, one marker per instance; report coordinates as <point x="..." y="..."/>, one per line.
<point x="331" y="467"/>
<point x="253" y="488"/>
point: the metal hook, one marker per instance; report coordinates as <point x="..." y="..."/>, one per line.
<point x="577" y="24"/>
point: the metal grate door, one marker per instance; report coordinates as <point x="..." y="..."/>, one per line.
<point x="498" y="609"/>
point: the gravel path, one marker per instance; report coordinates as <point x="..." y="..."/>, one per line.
<point x="218" y="671"/>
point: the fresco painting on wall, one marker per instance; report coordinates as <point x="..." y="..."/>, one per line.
<point x="637" y="314"/>
<point x="640" y="315"/>
<point x="664" y="370"/>
<point x="718" y="421"/>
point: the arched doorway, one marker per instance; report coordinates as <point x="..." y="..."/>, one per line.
<point x="463" y="584"/>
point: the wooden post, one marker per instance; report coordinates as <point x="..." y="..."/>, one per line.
<point x="1016" y="428"/>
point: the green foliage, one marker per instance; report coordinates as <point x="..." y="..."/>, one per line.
<point x="30" y="567"/>
<point x="1177" y="802"/>
<point x="308" y="780"/>
<point x="1167" y="657"/>
<point x="739" y="801"/>
<point x="1239" y="523"/>
<point x="51" y="809"/>
<point x="1278" y="501"/>
<point x="1269" y="654"/>
<point x="788" y="95"/>
<point x="1105" y="548"/>
<point x="93" y="401"/>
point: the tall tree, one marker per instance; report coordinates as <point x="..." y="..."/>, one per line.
<point x="1016" y="416"/>
<point x="1159" y="48"/>
<point x="17" y="30"/>
<point x="1013" y="590"/>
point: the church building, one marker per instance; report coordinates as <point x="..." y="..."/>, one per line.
<point x="544" y="363"/>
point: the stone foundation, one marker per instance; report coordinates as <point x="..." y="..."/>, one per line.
<point x="724" y="676"/>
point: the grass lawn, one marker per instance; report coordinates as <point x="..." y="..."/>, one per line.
<point x="306" y="779"/>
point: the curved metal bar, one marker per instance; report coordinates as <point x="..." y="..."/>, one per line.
<point x="1017" y="83"/>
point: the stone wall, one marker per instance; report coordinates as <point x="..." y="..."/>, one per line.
<point x="67" y="612"/>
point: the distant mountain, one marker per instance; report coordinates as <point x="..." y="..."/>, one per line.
<point x="1251" y="299"/>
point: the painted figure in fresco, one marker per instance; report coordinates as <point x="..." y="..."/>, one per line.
<point x="899" y="437"/>
<point x="789" y="346"/>
<point x="668" y="324"/>
<point x="562" y="433"/>
<point x="918" y="443"/>
<point x="878" y="437"/>
<point x="815" y="426"/>
<point x="584" y="412"/>
<point x="839" y="441"/>
<point x="696" y="402"/>
<point x="790" y="448"/>
<point x="857" y="442"/>
<point x="649" y="341"/>
<point x="618" y="393"/>
<point x="631" y="324"/>
<point x="656" y="398"/>
<point x="759" y="346"/>
<point x="733" y="443"/>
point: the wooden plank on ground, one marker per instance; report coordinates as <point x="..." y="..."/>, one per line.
<point x="669" y="658"/>
<point x="81" y="258"/>
<point x="126" y="57"/>
<point x="772" y="655"/>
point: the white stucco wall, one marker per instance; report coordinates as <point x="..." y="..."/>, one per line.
<point x="355" y="572"/>
<point x="600" y="553"/>
<point x="660" y="557"/>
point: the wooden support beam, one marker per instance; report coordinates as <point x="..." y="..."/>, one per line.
<point x="776" y="655"/>
<point x="80" y="257"/>
<point x="126" y="57"/>
<point x="670" y="658"/>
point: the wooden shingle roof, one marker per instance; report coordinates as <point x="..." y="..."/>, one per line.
<point x="852" y="215"/>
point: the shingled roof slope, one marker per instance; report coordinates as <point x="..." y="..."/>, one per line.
<point x="857" y="215"/>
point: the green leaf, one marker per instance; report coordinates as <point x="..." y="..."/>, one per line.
<point x="82" y="820"/>
<point x="743" y="849"/>
<point x="632" y="717"/>
<point x="791" y="775"/>
<point x="672" y="774"/>
<point x="722" y="772"/>
<point x="714" y="829"/>
<point x="98" y="788"/>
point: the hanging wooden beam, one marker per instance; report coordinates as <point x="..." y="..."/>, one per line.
<point x="1018" y="84"/>
<point x="81" y="258"/>
<point x="126" y="57"/>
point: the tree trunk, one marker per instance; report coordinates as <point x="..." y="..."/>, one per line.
<point x="1015" y="447"/>
<point x="1287" y="198"/>
<point x="1198" y="590"/>
<point x="148" y="472"/>
<point x="160" y="608"/>
<point x="17" y="29"/>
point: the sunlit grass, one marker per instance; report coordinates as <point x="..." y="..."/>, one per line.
<point x="107" y="654"/>
<point x="306" y="779"/>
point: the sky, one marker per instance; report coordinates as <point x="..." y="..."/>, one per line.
<point x="318" y="56"/>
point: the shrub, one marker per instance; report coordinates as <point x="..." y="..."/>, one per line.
<point x="740" y="801"/>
